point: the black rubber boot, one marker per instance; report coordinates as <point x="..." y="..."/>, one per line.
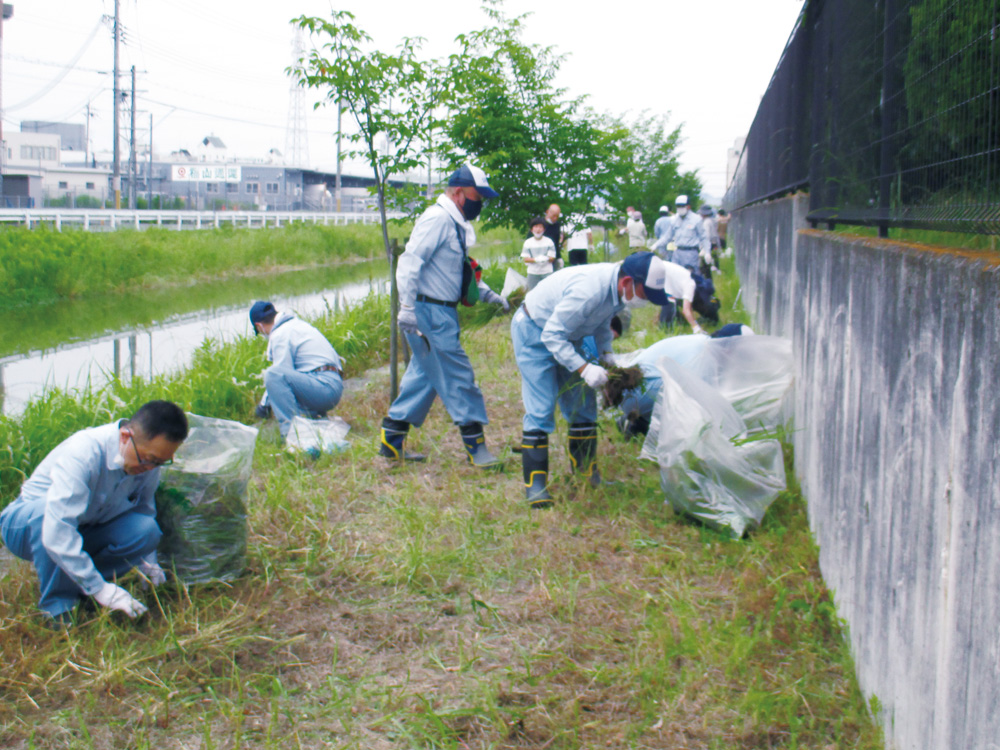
<point x="393" y="435"/>
<point x="475" y="446"/>
<point x="583" y="451"/>
<point x="535" y="462"/>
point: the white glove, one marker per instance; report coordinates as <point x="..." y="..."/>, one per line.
<point x="152" y="570"/>
<point x="697" y="329"/>
<point x="505" y="303"/>
<point x="115" y="597"/>
<point x="407" y="320"/>
<point x="715" y="269"/>
<point x="594" y="375"/>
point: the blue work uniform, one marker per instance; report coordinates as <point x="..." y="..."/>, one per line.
<point x="548" y="332"/>
<point x="688" y="233"/>
<point x="80" y="519"/>
<point x="305" y="377"/>
<point x="659" y="228"/>
<point x="681" y="349"/>
<point x="429" y="278"/>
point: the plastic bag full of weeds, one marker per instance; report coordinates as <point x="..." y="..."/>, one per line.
<point x="201" y="502"/>
<point x="710" y="467"/>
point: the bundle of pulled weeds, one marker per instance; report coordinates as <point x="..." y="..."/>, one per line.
<point x="620" y="381"/>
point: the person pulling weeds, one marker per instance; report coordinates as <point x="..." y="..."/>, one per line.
<point x="305" y="377"/>
<point x="548" y="332"/>
<point x="87" y="515"/>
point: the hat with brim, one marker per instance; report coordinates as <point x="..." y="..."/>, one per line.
<point x="647" y="269"/>
<point x="706" y="210"/>
<point x="682" y="200"/>
<point x="468" y="175"/>
<point x="259" y="312"/>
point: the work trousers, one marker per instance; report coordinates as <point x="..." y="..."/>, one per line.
<point x="115" y="547"/>
<point x="438" y="366"/>
<point x="545" y="382"/>
<point x="292" y="393"/>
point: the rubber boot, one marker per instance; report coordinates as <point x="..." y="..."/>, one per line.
<point x="393" y="434"/>
<point x="583" y="451"/>
<point x="535" y="462"/>
<point x="475" y="446"/>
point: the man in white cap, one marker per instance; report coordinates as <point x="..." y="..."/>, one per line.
<point x="548" y="332"/>
<point x="430" y="280"/>
<point x="687" y="231"/>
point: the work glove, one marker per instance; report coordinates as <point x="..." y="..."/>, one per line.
<point x="407" y="320"/>
<point x="115" y="597"/>
<point x="505" y="304"/>
<point x="594" y="375"/>
<point x="491" y="297"/>
<point x="715" y="269"/>
<point x="697" y="329"/>
<point x="150" y="568"/>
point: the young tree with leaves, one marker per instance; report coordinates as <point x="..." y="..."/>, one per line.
<point x="387" y="95"/>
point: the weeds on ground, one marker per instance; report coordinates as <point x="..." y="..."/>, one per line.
<point x="425" y="605"/>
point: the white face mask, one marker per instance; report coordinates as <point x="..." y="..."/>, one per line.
<point x="635" y="302"/>
<point x="682" y="211"/>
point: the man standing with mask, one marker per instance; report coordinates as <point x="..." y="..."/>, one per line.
<point x="548" y="332"/>
<point x="429" y="277"/>
<point x="687" y="231"/>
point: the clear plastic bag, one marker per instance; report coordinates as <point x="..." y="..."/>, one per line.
<point x="316" y="436"/>
<point x="511" y="282"/>
<point x="201" y="501"/>
<point x="710" y="468"/>
<point x="755" y="374"/>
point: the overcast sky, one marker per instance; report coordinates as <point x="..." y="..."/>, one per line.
<point x="216" y="67"/>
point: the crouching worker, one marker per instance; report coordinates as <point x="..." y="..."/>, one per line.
<point x="638" y="403"/>
<point x="87" y="514"/>
<point x="305" y="378"/>
<point x="548" y="332"/>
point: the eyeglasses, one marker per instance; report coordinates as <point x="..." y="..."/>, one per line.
<point x="147" y="461"/>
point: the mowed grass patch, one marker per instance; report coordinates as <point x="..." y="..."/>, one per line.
<point x="424" y="605"/>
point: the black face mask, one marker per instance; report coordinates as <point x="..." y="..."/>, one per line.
<point x="471" y="209"/>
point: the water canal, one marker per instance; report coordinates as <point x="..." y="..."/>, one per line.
<point x="147" y="333"/>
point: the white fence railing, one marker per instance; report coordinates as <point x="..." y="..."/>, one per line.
<point x="98" y="220"/>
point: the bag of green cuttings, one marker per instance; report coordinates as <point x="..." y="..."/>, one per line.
<point x="201" y="502"/>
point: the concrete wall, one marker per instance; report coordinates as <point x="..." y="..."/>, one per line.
<point x="897" y="414"/>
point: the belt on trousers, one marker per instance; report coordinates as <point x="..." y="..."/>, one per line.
<point x="425" y="298"/>
<point x="688" y="247"/>
<point x="328" y="368"/>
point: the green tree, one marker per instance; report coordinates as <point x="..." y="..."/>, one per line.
<point x="653" y="177"/>
<point x="506" y="115"/>
<point x="387" y="95"/>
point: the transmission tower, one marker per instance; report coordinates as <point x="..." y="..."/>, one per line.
<point x="296" y="137"/>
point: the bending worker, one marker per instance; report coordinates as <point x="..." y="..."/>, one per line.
<point x="637" y="403"/>
<point x="430" y="279"/>
<point x="548" y="331"/>
<point x="87" y="515"/>
<point x="305" y="378"/>
<point x="687" y="231"/>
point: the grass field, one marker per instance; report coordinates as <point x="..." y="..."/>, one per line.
<point x="425" y="606"/>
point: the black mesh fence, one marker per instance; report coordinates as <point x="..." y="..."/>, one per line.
<point x="887" y="112"/>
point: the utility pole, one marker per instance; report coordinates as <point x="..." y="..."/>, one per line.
<point x="133" y="166"/>
<point x="6" y="12"/>
<point x="149" y="179"/>
<point x="116" y="178"/>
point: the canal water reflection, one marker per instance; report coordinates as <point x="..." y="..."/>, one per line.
<point x="145" y="334"/>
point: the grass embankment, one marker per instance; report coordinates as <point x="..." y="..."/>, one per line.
<point x="426" y="606"/>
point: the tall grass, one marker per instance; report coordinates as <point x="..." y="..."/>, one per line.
<point x="42" y="265"/>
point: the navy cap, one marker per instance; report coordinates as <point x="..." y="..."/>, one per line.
<point x="259" y="312"/>
<point x="468" y="175"/>
<point x="647" y="269"/>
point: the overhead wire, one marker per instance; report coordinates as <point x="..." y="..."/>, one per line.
<point x="66" y="69"/>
